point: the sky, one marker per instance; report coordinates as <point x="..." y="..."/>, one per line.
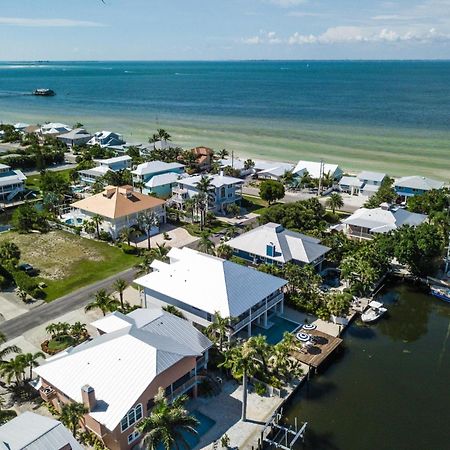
<point x="223" y="29"/>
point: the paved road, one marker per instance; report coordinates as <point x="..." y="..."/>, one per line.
<point x="49" y="311"/>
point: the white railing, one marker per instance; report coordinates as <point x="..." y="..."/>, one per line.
<point x="237" y="327"/>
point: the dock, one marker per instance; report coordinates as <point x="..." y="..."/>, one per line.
<point x="323" y="347"/>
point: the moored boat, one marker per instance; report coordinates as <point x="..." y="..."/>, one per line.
<point x="44" y="92"/>
<point x="374" y="311"/>
<point x="441" y="292"/>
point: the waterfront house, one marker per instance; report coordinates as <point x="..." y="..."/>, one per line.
<point x="119" y="207"/>
<point x="415" y="185"/>
<point x="316" y="169"/>
<point x="373" y="178"/>
<point x="350" y="185"/>
<point x="224" y="191"/>
<point x="30" y="431"/>
<point x="20" y="126"/>
<point x="77" y="136"/>
<point x="106" y="139"/>
<point x="158" y="177"/>
<point x="116" y="375"/>
<point x="273" y="244"/>
<point x="236" y="164"/>
<point x="90" y="176"/>
<point x="365" y="223"/>
<point x="12" y="182"/>
<point x="54" y="129"/>
<point x="202" y="285"/>
<point x="203" y="158"/>
<point x="366" y="183"/>
<point x="270" y="170"/>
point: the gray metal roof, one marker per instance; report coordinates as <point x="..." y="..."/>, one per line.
<point x="31" y="431"/>
<point x="416" y="182"/>
<point x="371" y="176"/>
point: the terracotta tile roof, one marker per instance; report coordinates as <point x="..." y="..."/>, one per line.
<point x="115" y="202"/>
<point x="203" y="151"/>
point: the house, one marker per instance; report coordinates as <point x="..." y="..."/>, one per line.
<point x="119" y="207"/>
<point x="106" y="139"/>
<point x="365" y="183"/>
<point x="12" y="182"/>
<point x="77" y="136"/>
<point x="30" y="431"/>
<point x="316" y="169"/>
<point x="203" y="157"/>
<point x="117" y="374"/>
<point x="373" y="178"/>
<point x="350" y="185"/>
<point x="273" y="244"/>
<point x="90" y="176"/>
<point x="20" y="126"/>
<point x="365" y="223"/>
<point x="237" y="164"/>
<point x="202" y="285"/>
<point x="409" y="186"/>
<point x="54" y="129"/>
<point x="158" y="177"/>
<point x="224" y="191"/>
<point x="270" y="170"/>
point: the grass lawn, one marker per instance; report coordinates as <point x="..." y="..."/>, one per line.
<point x="255" y="204"/>
<point x="68" y="262"/>
<point x="33" y="180"/>
<point x="194" y="228"/>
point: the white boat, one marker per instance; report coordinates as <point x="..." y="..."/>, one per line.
<point x="373" y="312"/>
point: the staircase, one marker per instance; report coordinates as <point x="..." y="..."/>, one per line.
<point x="13" y="193"/>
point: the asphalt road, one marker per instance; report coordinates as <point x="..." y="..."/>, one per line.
<point x="16" y="327"/>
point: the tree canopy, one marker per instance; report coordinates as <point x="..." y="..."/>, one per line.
<point x="271" y="190"/>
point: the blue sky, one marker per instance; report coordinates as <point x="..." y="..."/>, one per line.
<point x="224" y="29"/>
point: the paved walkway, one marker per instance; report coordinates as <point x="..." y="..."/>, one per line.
<point x="179" y="237"/>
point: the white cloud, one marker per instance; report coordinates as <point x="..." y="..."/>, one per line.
<point x="264" y="37"/>
<point x="61" y="23"/>
<point x="287" y="3"/>
<point x="304" y="14"/>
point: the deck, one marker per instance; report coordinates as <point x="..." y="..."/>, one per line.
<point x="315" y="355"/>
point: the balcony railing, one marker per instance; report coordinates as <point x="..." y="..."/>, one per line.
<point x="183" y="388"/>
<point x="238" y="326"/>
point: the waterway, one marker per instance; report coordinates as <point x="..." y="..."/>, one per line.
<point x="389" y="389"/>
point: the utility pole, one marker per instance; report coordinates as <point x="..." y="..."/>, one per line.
<point x="320" y="177"/>
<point x="232" y="159"/>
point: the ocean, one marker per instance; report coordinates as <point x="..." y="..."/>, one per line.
<point x="379" y="115"/>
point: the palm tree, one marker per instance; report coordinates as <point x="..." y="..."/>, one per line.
<point x="148" y="220"/>
<point x="144" y="267"/>
<point x="120" y="285"/>
<point x="139" y="185"/>
<point x="262" y="349"/>
<point x="241" y="361"/>
<point x="335" y="201"/>
<point x="96" y="221"/>
<point x="204" y="186"/>
<point x="219" y="329"/>
<point x="287" y="178"/>
<point x="13" y="369"/>
<point x="126" y="234"/>
<point x="78" y="330"/>
<point x="168" y="424"/>
<point x="9" y="253"/>
<point x="71" y="415"/>
<point x="89" y="227"/>
<point x="223" y="153"/>
<point x="224" y="251"/>
<point x="31" y="360"/>
<point x="160" y="252"/>
<point x="249" y="164"/>
<point x="206" y="245"/>
<point x="174" y="311"/>
<point x="8" y="349"/>
<point x="103" y="301"/>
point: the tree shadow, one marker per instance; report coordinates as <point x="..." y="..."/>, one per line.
<point x="316" y="441"/>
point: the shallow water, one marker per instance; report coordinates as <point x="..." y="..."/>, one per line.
<point x="389" y="389"/>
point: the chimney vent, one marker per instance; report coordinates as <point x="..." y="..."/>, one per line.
<point x="88" y="397"/>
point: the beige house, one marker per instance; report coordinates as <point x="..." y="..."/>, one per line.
<point x="119" y="207"/>
<point x="117" y="374"/>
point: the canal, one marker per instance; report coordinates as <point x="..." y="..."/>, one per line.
<point x="389" y="389"/>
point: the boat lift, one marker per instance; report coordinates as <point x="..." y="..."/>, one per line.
<point x="275" y="435"/>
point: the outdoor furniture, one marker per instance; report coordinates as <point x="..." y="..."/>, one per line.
<point x="309" y="326"/>
<point x="303" y="337"/>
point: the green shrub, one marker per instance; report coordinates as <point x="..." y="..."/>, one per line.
<point x="129" y="249"/>
<point x="24" y="281"/>
<point x="260" y="388"/>
<point x="105" y="236"/>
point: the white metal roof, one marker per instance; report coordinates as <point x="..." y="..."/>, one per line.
<point x="14" y="177"/>
<point x="116" y="159"/>
<point x="313" y="168"/>
<point x="216" y="180"/>
<point x="416" y="182"/>
<point x="155" y="167"/>
<point x="117" y="374"/>
<point x="276" y="171"/>
<point x="289" y="245"/>
<point x="372" y="176"/>
<point x="382" y="220"/>
<point x="30" y="431"/>
<point x="163" y="179"/>
<point x="350" y="181"/>
<point x="209" y="283"/>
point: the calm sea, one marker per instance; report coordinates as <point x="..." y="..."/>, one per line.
<point x="388" y="115"/>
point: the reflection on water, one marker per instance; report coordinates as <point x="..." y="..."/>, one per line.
<point x="389" y="389"/>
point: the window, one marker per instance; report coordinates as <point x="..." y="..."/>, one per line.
<point x="133" y="416"/>
<point x="133" y="436"/>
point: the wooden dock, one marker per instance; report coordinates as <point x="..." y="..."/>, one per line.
<point x="316" y="354"/>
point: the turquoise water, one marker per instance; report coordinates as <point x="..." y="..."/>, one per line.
<point x="389" y="389"/>
<point x="391" y="115"/>
<point x="275" y="333"/>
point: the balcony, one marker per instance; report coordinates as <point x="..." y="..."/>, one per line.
<point x="47" y="393"/>
<point x="183" y="388"/>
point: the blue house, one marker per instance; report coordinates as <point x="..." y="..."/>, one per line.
<point x="273" y="244"/>
<point x="90" y="176"/>
<point x="158" y="177"/>
<point x="224" y="191"/>
<point x="12" y="182"/>
<point x="409" y="186"/>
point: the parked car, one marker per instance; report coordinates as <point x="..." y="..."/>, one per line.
<point x="28" y="269"/>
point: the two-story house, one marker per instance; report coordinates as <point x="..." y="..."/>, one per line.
<point x="273" y="244"/>
<point x="202" y="286"/>
<point x="158" y="177"/>
<point x="90" y="176"/>
<point x="317" y="169"/>
<point x="119" y="207"/>
<point x="224" y="191"/>
<point x="53" y="129"/>
<point x="116" y="375"/>
<point x="12" y="182"/>
<point x="106" y="139"/>
<point x="409" y="186"/>
<point x="77" y="136"/>
<point x="365" y="183"/>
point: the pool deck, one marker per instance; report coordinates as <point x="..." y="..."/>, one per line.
<point x="322" y="348"/>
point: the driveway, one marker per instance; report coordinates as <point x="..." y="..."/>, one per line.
<point x="179" y="238"/>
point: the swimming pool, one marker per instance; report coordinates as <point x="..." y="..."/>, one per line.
<point x="72" y="221"/>
<point x="275" y="333"/>
<point x="206" y="423"/>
